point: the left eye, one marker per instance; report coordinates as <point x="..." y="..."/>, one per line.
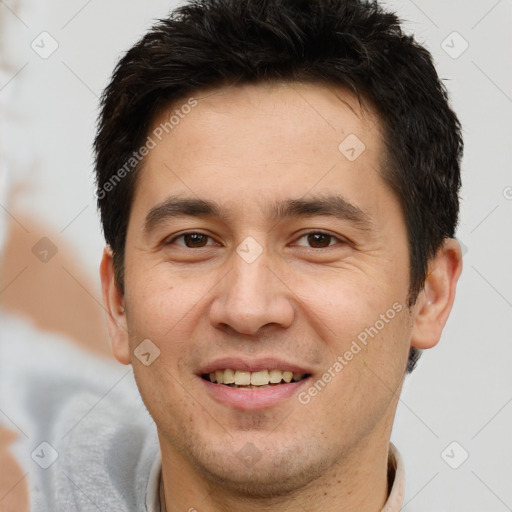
<point x="319" y="240"/>
<point x="192" y="240"/>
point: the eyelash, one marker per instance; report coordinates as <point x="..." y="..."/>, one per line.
<point x="172" y="240"/>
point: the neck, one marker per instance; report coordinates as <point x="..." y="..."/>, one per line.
<point x="359" y="482"/>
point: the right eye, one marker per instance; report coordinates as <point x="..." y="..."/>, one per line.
<point x="191" y="240"/>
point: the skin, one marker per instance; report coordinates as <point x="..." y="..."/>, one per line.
<point x="302" y="300"/>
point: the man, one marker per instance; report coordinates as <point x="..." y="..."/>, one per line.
<point x="278" y="185"/>
<point x="278" y="189"/>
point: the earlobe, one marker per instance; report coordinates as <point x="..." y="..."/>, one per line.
<point x="114" y="304"/>
<point x="436" y="299"/>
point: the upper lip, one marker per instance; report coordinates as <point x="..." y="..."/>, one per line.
<point x="252" y="365"/>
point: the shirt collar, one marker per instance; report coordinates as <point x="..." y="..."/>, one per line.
<point x="153" y="488"/>
<point x="396" y="475"/>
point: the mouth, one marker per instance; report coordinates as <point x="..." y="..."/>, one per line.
<point x="261" y="379"/>
<point x="252" y="384"/>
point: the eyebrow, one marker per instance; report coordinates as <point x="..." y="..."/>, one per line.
<point x="329" y="205"/>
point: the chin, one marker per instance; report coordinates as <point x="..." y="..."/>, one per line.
<point x="276" y="473"/>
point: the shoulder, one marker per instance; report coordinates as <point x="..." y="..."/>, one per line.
<point x="85" y="439"/>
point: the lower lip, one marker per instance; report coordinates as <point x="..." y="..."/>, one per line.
<point x="250" y="399"/>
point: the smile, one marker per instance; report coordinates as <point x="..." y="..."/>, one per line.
<point x="252" y="380"/>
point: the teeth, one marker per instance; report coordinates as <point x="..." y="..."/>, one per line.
<point x="229" y="377"/>
<point x="242" y="378"/>
<point x="260" y="378"/>
<point x="275" y="376"/>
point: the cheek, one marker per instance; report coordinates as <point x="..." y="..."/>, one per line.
<point x="347" y="301"/>
<point x="363" y="322"/>
<point x="160" y="302"/>
<point x="162" y="390"/>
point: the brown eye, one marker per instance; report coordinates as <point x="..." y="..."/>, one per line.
<point x="317" y="240"/>
<point x="195" y="240"/>
<point x="191" y="240"/>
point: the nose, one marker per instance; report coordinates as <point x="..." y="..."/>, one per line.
<point x="250" y="297"/>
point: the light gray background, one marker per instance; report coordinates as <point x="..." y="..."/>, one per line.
<point x="462" y="390"/>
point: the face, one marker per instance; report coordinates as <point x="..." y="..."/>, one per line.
<point x="262" y="239"/>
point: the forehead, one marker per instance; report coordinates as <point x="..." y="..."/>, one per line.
<point x="262" y="140"/>
<point x="297" y="108"/>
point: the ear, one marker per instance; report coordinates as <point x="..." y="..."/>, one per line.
<point x="114" y="303"/>
<point x="436" y="300"/>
